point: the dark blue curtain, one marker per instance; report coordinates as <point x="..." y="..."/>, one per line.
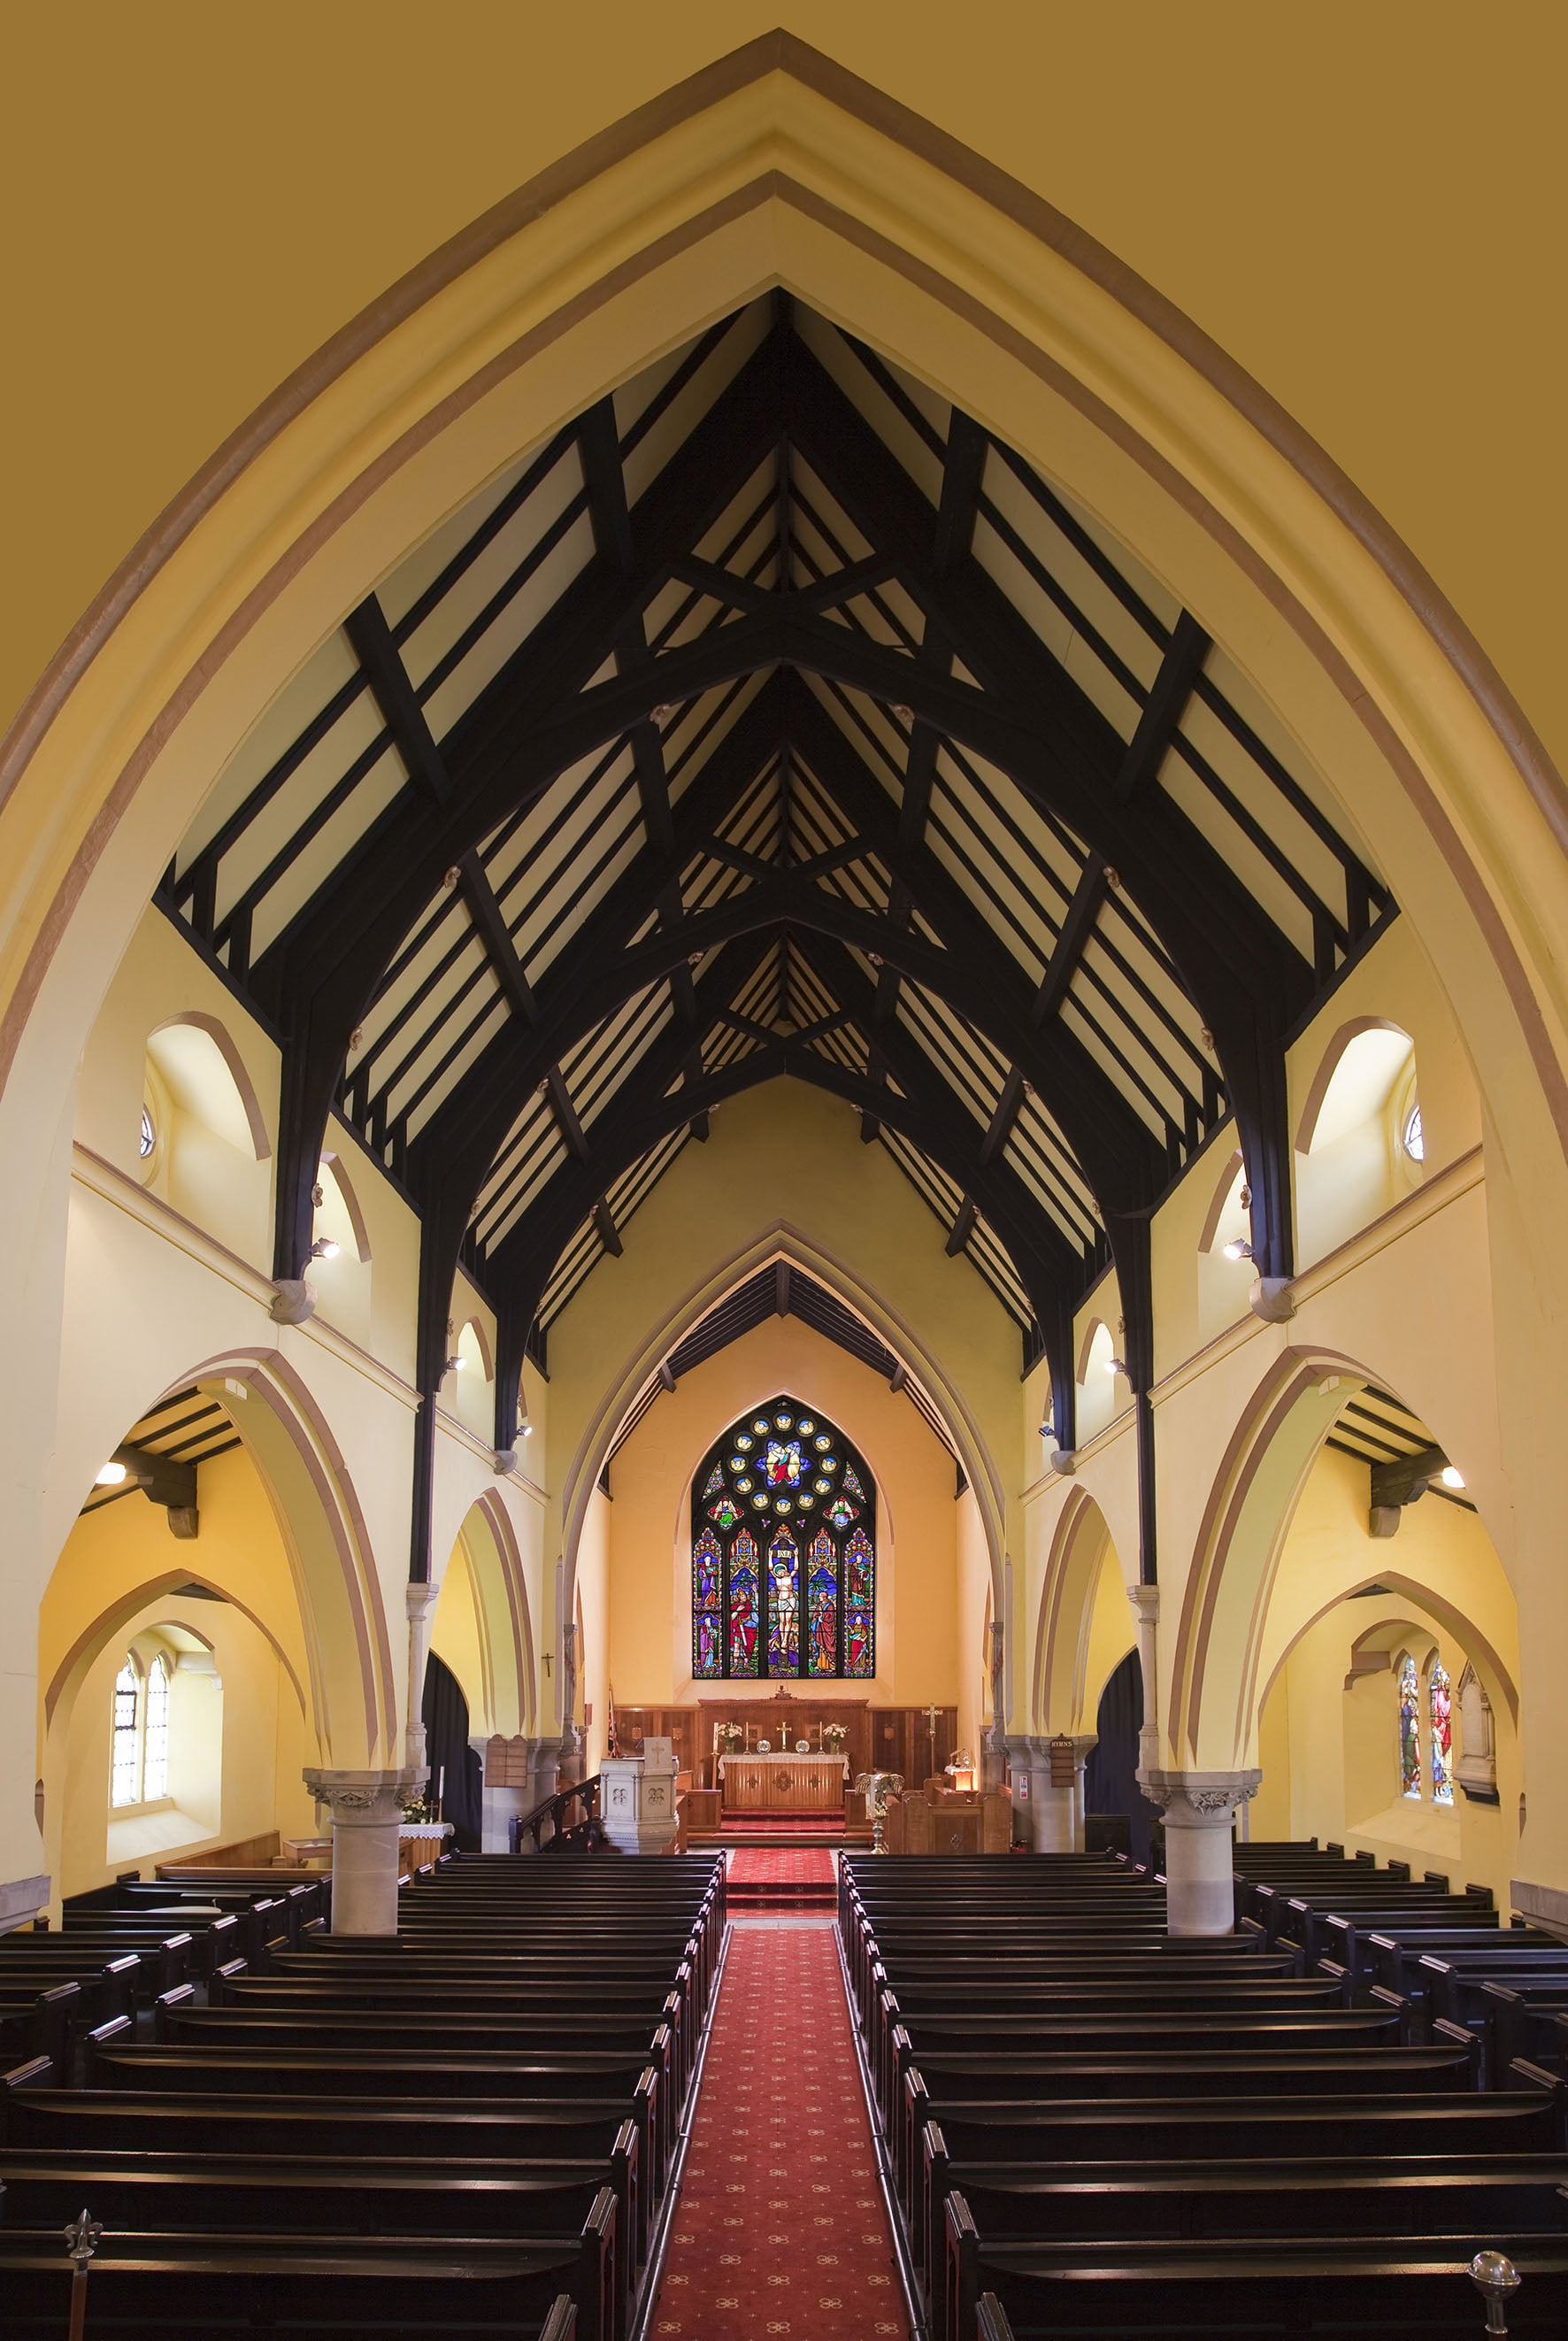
<point x="445" y="1712"/>
<point x="1110" y="1775"/>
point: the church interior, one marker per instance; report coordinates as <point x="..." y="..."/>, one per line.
<point x="784" y="1070"/>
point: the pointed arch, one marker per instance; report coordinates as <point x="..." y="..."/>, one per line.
<point x="1082" y="1549"/>
<point x="493" y="1556"/>
<point x="786" y="1244"/>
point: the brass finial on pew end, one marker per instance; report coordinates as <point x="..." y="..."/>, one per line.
<point x="1494" y="2277"/>
<point x="81" y="2242"/>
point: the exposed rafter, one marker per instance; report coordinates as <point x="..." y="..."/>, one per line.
<point x="775" y="719"/>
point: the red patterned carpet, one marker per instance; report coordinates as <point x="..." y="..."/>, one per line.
<point x="781" y="2227"/>
<point x="764" y="1865"/>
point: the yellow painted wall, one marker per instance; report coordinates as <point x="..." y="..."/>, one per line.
<point x="103" y="1591"/>
<point x="455" y="1639"/>
<point x="1331" y="1755"/>
<point x="923" y="1602"/>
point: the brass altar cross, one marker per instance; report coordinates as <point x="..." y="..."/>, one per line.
<point x="931" y="1714"/>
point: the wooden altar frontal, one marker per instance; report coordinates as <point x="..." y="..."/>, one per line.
<point x="783" y="1783"/>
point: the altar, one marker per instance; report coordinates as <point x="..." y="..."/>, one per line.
<point x="783" y="1783"/>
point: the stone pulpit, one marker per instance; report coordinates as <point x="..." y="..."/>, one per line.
<point x="637" y="1800"/>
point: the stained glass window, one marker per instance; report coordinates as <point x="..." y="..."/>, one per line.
<point x="783" y="1605"/>
<point x="822" y="1608"/>
<point x="155" y="1740"/>
<point x="1409" y="1729"/>
<point x="744" y="1606"/>
<point x="860" y="1606"/>
<point x="1440" y="1699"/>
<point x="783" y="1552"/>
<point x="706" y="1606"/>
<point x="126" y="1766"/>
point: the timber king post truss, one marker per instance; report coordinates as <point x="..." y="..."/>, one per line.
<point x="774" y="718"/>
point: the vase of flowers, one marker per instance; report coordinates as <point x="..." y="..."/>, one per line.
<point x="732" y="1738"/>
<point x="834" y="1734"/>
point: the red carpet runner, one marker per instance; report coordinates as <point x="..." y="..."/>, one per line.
<point x="811" y="1865"/>
<point x="781" y="2227"/>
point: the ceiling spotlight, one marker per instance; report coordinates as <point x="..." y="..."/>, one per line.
<point x="323" y="1248"/>
<point x="1114" y="1366"/>
<point x="110" y="1476"/>
<point x="1450" y="1477"/>
<point x="1237" y="1250"/>
<point x="528" y="1430"/>
<point x="454" y="1364"/>
<point x="1047" y="1430"/>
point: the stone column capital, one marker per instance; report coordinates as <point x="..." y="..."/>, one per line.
<point x="421" y="1599"/>
<point x="1146" y="1602"/>
<point x="1198" y="1800"/>
<point x="366" y="1799"/>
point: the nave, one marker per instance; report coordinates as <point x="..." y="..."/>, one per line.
<point x="985" y="2101"/>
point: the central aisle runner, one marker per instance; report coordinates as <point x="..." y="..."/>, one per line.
<point x="781" y="2227"/>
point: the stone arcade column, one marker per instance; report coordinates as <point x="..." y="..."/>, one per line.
<point x="366" y="1817"/>
<point x="1200" y="1895"/>
<point x="518" y="1775"/>
<point x="1056" y="1791"/>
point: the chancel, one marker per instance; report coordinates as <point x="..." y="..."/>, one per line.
<point x="784" y="1113"/>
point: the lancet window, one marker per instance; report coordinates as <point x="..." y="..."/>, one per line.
<point x="783" y="1551"/>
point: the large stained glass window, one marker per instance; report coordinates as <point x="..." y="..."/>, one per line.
<point x="1440" y="1703"/>
<point x="1409" y="1728"/>
<point x="783" y="1551"/>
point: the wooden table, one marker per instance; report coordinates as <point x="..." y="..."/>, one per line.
<point x="783" y="1783"/>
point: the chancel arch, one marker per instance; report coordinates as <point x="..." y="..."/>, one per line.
<point x="712" y="819"/>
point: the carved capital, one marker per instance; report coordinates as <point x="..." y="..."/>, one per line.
<point x="1146" y="1601"/>
<point x="421" y="1599"/>
<point x="503" y="1461"/>
<point x="1064" y="1461"/>
<point x="292" y="1300"/>
<point x="366" y="1799"/>
<point x="1198" y="1800"/>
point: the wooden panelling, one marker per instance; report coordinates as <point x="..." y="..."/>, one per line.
<point x="881" y="1738"/>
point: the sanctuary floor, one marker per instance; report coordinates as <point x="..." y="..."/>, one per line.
<point x="781" y="2227"/>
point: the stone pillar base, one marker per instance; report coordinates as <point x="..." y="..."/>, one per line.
<point x="1200" y="1891"/>
<point x="367" y="1814"/>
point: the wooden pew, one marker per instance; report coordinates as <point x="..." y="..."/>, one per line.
<point x="1533" y="2120"/>
<point x="152" y="2287"/>
<point x="1397" y="2287"/>
<point x="1112" y="2205"/>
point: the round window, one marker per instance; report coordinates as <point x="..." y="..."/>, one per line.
<point x="1411" y="1138"/>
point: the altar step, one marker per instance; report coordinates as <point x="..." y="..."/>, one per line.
<point x="794" y="1879"/>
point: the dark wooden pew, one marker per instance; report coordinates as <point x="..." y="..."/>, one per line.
<point x="156" y="2287"/>
<point x="1116" y="2203"/>
<point x="1178" y="2073"/>
<point x="552" y="2205"/>
<point x="1532" y="2120"/>
<point x="1397" y="2287"/>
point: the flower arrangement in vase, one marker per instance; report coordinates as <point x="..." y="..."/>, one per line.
<point x="732" y="1738"/>
<point x="833" y="1736"/>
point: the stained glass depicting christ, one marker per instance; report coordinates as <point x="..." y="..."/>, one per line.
<point x="783" y="1550"/>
